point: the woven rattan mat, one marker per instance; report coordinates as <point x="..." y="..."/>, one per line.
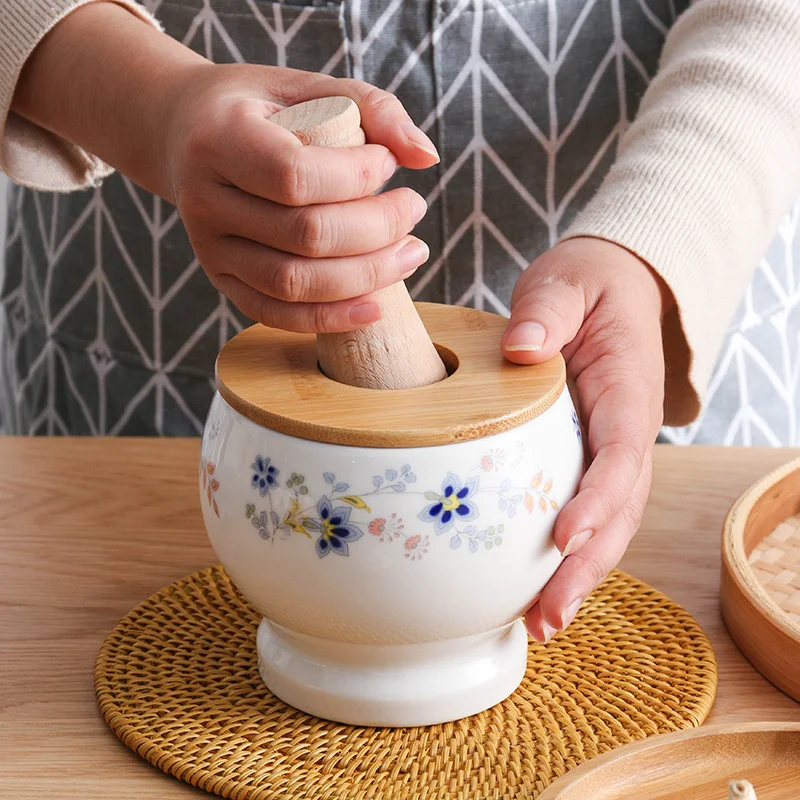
<point x="776" y="563"/>
<point x="177" y="681"/>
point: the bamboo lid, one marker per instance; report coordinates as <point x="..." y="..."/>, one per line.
<point x="273" y="378"/>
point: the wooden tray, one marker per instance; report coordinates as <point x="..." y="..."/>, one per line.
<point x="692" y="765"/>
<point x="760" y="590"/>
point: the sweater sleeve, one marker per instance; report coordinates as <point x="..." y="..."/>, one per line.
<point x="705" y="172"/>
<point x="29" y="154"/>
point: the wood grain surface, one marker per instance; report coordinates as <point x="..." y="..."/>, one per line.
<point x="272" y="377"/>
<point x="90" y="527"/>
<point x="701" y="764"/>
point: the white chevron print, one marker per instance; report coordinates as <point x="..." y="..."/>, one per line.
<point x="109" y="326"/>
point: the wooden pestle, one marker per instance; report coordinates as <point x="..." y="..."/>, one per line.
<point x="395" y="352"/>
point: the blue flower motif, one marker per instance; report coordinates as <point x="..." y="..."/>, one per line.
<point x="452" y="504"/>
<point x="577" y="424"/>
<point x="265" y="476"/>
<point x="335" y="529"/>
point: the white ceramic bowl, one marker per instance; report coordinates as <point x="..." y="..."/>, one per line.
<point x="391" y="580"/>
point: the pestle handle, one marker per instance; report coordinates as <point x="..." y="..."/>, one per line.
<point x="395" y="352"/>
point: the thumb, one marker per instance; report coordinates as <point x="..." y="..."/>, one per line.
<point x="546" y="314"/>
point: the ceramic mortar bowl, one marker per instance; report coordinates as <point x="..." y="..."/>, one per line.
<point x="391" y="540"/>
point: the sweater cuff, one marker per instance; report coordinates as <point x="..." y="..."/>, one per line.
<point x="29" y="154"/>
<point x="705" y="173"/>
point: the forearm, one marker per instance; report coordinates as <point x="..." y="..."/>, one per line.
<point x="106" y="81"/>
<point x="706" y="171"/>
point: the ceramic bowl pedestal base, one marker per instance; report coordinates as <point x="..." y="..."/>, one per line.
<point x="392" y="685"/>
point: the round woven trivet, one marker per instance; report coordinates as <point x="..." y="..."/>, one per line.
<point x="177" y="681"/>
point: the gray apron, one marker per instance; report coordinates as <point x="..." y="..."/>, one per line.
<point x="109" y="325"/>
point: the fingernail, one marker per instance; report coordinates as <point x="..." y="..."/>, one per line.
<point x="574" y="543"/>
<point x="420" y="208"/>
<point x="548" y="631"/>
<point x="365" y="313"/>
<point x="569" y="613"/>
<point x="527" y="336"/>
<point x="389" y="167"/>
<point x="416" y="138"/>
<point x="411" y="257"/>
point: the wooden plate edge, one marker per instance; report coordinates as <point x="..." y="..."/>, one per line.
<point x="558" y="789"/>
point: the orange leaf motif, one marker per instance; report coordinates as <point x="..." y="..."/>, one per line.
<point x="214" y="484"/>
<point x="528" y="503"/>
<point x="548" y="486"/>
<point x="210" y="467"/>
<point x="542" y="504"/>
<point x="553" y="504"/>
<point x="536" y="480"/>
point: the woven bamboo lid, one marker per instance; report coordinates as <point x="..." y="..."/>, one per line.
<point x="760" y="586"/>
<point x="273" y="378"/>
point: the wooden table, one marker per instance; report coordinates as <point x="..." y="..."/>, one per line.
<point x="90" y="527"/>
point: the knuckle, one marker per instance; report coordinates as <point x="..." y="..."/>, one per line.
<point x="294" y="180"/>
<point x="601" y="501"/>
<point x="617" y="329"/>
<point x="575" y="267"/>
<point x="552" y="311"/>
<point x="322" y="318"/>
<point x="633" y="453"/>
<point x="239" y="113"/>
<point x="382" y="101"/>
<point x="632" y="515"/>
<point x="398" y="218"/>
<point x="371" y="270"/>
<point x="292" y="282"/>
<point x="314" y="234"/>
<point x="592" y="567"/>
<point x="261" y="310"/>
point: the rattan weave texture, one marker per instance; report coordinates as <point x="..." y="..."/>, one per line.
<point x="776" y="563"/>
<point x="177" y="681"/>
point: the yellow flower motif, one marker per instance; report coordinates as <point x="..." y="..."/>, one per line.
<point x="293" y="521"/>
<point x="450" y="503"/>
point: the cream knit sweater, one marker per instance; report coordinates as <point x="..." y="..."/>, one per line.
<point x="702" y="177"/>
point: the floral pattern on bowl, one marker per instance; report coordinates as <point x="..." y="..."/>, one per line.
<point x="340" y="517"/>
<point x="209" y="483"/>
<point x="576" y="423"/>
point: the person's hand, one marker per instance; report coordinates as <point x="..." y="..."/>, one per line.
<point x="294" y="235"/>
<point x="601" y="306"/>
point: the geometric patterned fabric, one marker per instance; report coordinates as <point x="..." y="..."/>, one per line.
<point x="108" y="324"/>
